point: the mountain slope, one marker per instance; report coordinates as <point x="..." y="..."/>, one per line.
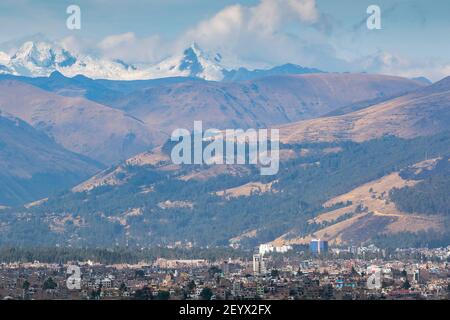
<point x="33" y="166"/>
<point x="165" y="104"/>
<point x="370" y="212"/>
<point x="243" y="74"/>
<point x="147" y="200"/>
<point x="258" y="103"/>
<point x="424" y="112"/>
<point x="97" y="131"/>
<point x="98" y="90"/>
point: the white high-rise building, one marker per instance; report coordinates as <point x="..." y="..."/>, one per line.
<point x="268" y="248"/>
<point x="259" y="267"/>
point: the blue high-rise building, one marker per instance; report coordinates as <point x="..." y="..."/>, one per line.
<point x="317" y="246"/>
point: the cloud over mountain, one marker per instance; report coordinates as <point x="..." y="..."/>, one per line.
<point x="127" y="46"/>
<point x="246" y="31"/>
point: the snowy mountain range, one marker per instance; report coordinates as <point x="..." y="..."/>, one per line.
<point x="42" y="58"/>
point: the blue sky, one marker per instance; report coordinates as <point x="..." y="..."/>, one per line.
<point x="327" y="34"/>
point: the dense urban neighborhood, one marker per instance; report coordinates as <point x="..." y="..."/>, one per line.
<point x="342" y="274"/>
<point x="201" y="152"/>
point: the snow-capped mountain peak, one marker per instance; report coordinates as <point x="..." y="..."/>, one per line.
<point x="193" y="62"/>
<point x="190" y="60"/>
<point x="40" y="58"/>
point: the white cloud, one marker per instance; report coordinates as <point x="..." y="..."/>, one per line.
<point x="306" y="10"/>
<point x="74" y="44"/>
<point x="268" y="33"/>
<point x="394" y="64"/>
<point x="268" y="16"/>
<point x="250" y="36"/>
<point x="111" y="42"/>
<point x="257" y="33"/>
<point x="129" y="47"/>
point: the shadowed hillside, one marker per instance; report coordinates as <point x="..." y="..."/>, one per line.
<point x="33" y="166"/>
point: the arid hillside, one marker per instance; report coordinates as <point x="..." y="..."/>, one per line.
<point x="421" y="113"/>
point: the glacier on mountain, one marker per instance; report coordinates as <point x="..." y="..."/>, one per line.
<point x="42" y="58"/>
